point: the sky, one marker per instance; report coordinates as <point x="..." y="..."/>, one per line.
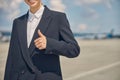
<point x="85" y="16"/>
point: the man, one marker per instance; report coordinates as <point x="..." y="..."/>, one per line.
<point x="37" y="40"/>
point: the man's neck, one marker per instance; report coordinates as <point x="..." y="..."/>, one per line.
<point x="35" y="9"/>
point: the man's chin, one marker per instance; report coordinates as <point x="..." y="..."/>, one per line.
<point x="33" y="5"/>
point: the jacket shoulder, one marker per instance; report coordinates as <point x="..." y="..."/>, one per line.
<point x="57" y="13"/>
<point x="21" y="17"/>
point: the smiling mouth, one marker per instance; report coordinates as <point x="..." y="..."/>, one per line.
<point x="31" y="1"/>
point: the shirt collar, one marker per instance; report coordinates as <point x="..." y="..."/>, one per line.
<point x="37" y="15"/>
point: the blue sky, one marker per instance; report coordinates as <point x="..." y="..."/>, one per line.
<point x="84" y="15"/>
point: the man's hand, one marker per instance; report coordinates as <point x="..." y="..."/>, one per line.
<point x="41" y="41"/>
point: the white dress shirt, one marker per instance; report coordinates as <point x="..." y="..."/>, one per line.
<point x="33" y="21"/>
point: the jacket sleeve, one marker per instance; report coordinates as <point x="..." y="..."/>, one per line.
<point x="66" y="45"/>
<point x="9" y="58"/>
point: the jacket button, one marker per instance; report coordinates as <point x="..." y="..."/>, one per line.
<point x="22" y="72"/>
<point x="51" y="52"/>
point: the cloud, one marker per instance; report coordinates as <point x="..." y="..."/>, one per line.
<point x="88" y="28"/>
<point x="107" y="3"/>
<point x="82" y="27"/>
<point x="57" y="5"/>
<point x="86" y="2"/>
<point x="3" y="4"/>
<point x="90" y="13"/>
<point x="10" y="8"/>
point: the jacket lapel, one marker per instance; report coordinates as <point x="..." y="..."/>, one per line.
<point x="22" y="33"/>
<point x="43" y="26"/>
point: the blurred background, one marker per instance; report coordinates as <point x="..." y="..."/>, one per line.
<point x="96" y="27"/>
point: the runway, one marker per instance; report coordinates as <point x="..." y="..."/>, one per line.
<point x="99" y="60"/>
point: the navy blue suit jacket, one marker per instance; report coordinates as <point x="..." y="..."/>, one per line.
<point x="25" y="63"/>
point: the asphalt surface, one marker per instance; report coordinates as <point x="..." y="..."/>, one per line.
<point x="99" y="60"/>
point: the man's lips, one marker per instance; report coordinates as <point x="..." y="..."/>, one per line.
<point x="31" y="1"/>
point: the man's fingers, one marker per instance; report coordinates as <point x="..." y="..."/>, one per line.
<point x="38" y="45"/>
<point x="37" y="40"/>
<point x="40" y="34"/>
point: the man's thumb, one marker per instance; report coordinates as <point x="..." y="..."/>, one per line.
<point x="39" y="33"/>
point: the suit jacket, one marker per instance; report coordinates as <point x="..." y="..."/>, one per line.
<point x="25" y="63"/>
